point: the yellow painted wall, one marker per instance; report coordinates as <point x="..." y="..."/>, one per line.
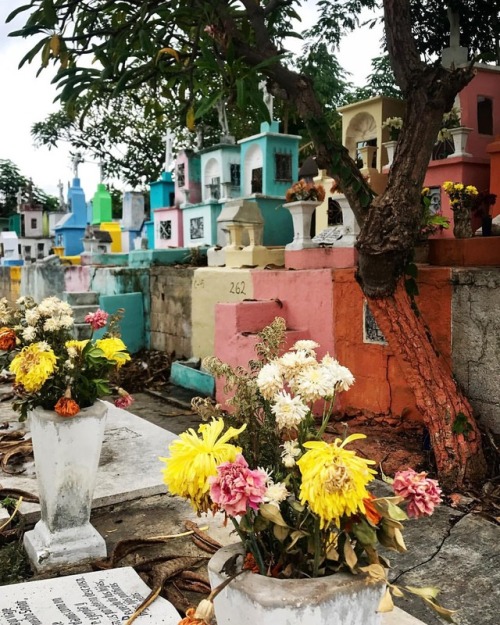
<point x="115" y="232"/>
<point x="15" y="283"/>
<point x="212" y="285"/>
<point x="322" y="210"/>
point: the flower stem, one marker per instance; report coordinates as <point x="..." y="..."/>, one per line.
<point x="252" y="546"/>
<point x="317" y="548"/>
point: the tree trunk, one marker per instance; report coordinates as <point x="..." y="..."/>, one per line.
<point x="459" y="457"/>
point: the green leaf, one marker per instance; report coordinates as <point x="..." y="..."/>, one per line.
<point x="461" y="424"/>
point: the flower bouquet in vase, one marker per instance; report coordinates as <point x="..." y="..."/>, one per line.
<point x="299" y="502"/>
<point x="57" y="383"/>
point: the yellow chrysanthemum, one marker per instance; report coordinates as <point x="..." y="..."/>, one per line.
<point x="33" y="366"/>
<point x="114" y="349"/>
<point x="193" y="459"/>
<point x="334" y="479"/>
<point x="75" y="346"/>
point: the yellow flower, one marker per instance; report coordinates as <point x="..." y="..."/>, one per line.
<point x="114" y="349"/>
<point x="471" y="189"/>
<point x="33" y="366"/>
<point x="459" y="186"/>
<point x="75" y="347"/>
<point x="448" y="186"/>
<point x="425" y="190"/>
<point x="193" y="460"/>
<point x="334" y="479"/>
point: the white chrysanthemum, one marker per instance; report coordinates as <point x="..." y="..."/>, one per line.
<point x="5" y="313"/>
<point x="66" y="321"/>
<point x="49" y="306"/>
<point x="32" y="316"/>
<point x="20" y="301"/>
<point x="72" y="352"/>
<point x="269" y="380"/>
<point x="291" y="451"/>
<point x="289" y="411"/>
<point x="43" y="346"/>
<point x="68" y="364"/>
<point x="51" y="325"/>
<point x="292" y="363"/>
<point x="341" y="377"/>
<point x="314" y="383"/>
<point x="275" y="493"/>
<point x="305" y="345"/>
<point x="29" y="334"/>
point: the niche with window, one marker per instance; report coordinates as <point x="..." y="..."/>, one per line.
<point x="33" y="224"/>
<point x="257" y="180"/>
<point x="283" y="164"/>
<point x="484" y="115"/>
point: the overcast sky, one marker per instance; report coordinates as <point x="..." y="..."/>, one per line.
<point x="26" y="99"/>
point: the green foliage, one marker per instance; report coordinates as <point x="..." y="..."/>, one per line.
<point x="461" y="424"/>
<point x="11" y="180"/>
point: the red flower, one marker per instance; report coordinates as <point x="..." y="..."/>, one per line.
<point x="420" y="492"/>
<point x="97" y="319"/>
<point x="124" y="400"/>
<point x="7" y="339"/>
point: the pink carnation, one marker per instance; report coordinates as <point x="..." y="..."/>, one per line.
<point x="124" y="400"/>
<point x="420" y="492"/>
<point x="97" y="319"/>
<point x="236" y="487"/>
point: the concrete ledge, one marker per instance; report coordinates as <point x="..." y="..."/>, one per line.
<point x="474" y="252"/>
<point x="194" y="379"/>
<point x="321" y="258"/>
<point x="146" y="258"/>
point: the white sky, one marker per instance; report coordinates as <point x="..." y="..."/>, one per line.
<point x="26" y="99"/>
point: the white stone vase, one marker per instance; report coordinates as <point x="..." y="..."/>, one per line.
<point x="459" y="136"/>
<point x="302" y="212"/>
<point x="390" y="147"/>
<point x="250" y="599"/>
<point x="67" y="452"/>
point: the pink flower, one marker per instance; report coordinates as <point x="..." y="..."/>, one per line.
<point x="97" y="319"/>
<point x="124" y="400"/>
<point x="421" y="493"/>
<point x="236" y="487"/>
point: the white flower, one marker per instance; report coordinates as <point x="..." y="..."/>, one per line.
<point x="43" y="346"/>
<point x="48" y="306"/>
<point x="305" y="345"/>
<point x="51" y="325"/>
<point x="32" y="316"/>
<point x="68" y="364"/>
<point x="275" y="493"/>
<point x="72" y="352"/>
<point x="341" y="377"/>
<point x="29" y="334"/>
<point x="289" y="411"/>
<point x="66" y="321"/>
<point x="291" y="451"/>
<point x="314" y="383"/>
<point x="269" y="380"/>
<point x="20" y="301"/>
<point x="292" y="363"/>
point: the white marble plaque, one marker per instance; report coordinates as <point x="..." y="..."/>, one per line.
<point x="100" y="598"/>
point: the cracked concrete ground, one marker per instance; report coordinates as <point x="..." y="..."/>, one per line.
<point x="457" y="552"/>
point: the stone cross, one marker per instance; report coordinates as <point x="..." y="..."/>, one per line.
<point x="76" y="160"/>
<point x="268" y="98"/>
<point x="169" y="158"/>
<point x="455" y="55"/>
<point x="221" y="112"/>
<point x="454" y="19"/>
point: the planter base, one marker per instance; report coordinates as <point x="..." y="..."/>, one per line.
<point x="47" y="550"/>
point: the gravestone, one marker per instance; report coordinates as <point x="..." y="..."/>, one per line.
<point x="100" y="598"/>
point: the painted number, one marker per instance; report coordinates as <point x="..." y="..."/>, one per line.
<point x="238" y="288"/>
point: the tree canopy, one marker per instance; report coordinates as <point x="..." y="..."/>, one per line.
<point x="11" y="181"/>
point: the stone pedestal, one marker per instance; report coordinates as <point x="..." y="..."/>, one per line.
<point x="301" y="212"/>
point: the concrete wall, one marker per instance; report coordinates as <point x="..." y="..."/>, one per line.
<point x="10" y="283"/>
<point x="171" y="328"/>
<point x="476" y="339"/>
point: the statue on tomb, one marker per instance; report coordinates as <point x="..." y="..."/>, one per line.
<point x="268" y="98"/>
<point x="76" y="160"/>
<point x="19" y="198"/>
<point x="101" y="172"/>
<point x="199" y="136"/>
<point x="169" y="158"/>
<point x="221" y="112"/>
<point x="62" y="202"/>
<point x="29" y="187"/>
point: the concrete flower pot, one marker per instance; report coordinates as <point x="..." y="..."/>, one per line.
<point x="67" y="452"/>
<point x="302" y="212"/>
<point x="460" y="136"/>
<point x="251" y="599"/>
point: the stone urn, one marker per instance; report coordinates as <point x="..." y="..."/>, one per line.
<point x="302" y="212"/>
<point x="340" y="599"/>
<point x="67" y="452"/>
<point x="459" y="136"/>
<point x="390" y="147"/>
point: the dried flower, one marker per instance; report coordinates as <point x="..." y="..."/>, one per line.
<point x="8" y="339"/>
<point x="124" y="399"/>
<point x="421" y="493"/>
<point x="67" y="407"/>
<point x="305" y="191"/>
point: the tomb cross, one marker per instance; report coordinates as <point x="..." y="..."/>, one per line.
<point x="77" y="159"/>
<point x="221" y="112"/>
<point x="268" y="98"/>
<point x="169" y="137"/>
<point x="454" y="19"/>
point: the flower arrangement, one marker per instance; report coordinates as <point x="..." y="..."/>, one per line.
<point x="461" y="196"/>
<point x="300" y="504"/>
<point x="305" y="191"/>
<point x="432" y="221"/>
<point x="394" y="124"/>
<point x="51" y="369"/>
<point x="451" y="119"/>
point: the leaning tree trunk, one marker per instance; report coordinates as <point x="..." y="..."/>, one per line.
<point x="455" y="439"/>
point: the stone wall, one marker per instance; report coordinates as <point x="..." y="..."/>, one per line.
<point x="10" y="283"/>
<point x="171" y="304"/>
<point x="476" y="339"/>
